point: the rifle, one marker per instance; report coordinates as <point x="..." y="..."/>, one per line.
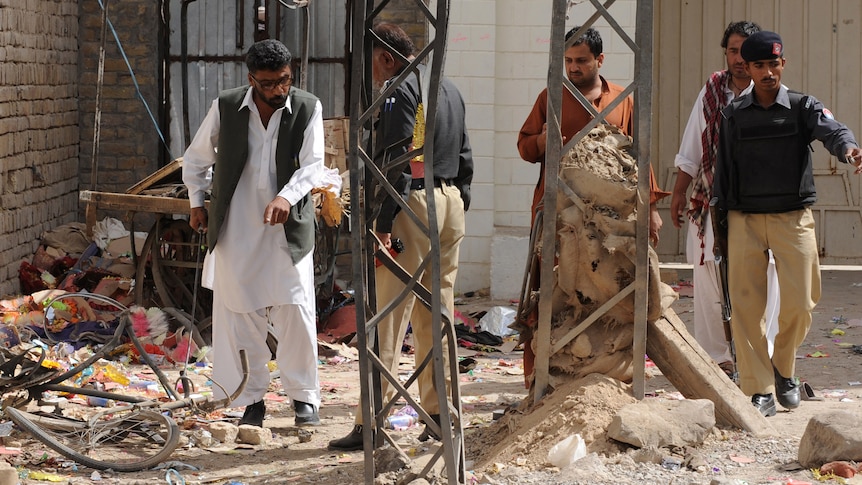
<point x="719" y="250"/>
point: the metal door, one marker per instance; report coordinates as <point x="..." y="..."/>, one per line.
<point x="823" y="47"/>
<point x="208" y="38"/>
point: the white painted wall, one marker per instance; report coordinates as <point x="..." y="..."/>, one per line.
<point x="498" y="56"/>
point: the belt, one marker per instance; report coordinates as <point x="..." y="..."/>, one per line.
<point x="419" y="184"/>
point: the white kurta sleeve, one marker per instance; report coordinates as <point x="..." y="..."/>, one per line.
<point x="201" y="156"/>
<point x="311" y="156"/>
<point x="690" y="146"/>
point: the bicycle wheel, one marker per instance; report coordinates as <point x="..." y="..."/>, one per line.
<point x="124" y="441"/>
<point x="167" y="269"/>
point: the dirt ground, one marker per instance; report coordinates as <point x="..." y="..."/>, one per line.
<point x="514" y="449"/>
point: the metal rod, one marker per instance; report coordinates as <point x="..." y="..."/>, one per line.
<point x="642" y="134"/>
<point x="100" y="80"/>
<point x="553" y="153"/>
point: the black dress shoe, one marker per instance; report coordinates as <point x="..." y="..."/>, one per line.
<point x="254" y="414"/>
<point x="428" y="433"/>
<point x="306" y="414"/>
<point x="351" y="442"/>
<point x="764" y="403"/>
<point x="787" y="390"/>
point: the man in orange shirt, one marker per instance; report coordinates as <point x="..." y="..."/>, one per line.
<point x="582" y="61"/>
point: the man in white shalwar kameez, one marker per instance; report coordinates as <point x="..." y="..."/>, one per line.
<point x="264" y="143"/>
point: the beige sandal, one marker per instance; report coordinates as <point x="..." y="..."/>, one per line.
<point x="807" y="393"/>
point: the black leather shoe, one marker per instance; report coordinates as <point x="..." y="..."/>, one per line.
<point x="254" y="414"/>
<point x="351" y="442"/>
<point x="787" y="390"/>
<point x="306" y="414"/>
<point x="428" y="433"/>
<point x="764" y="403"/>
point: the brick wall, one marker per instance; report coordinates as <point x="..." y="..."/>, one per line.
<point x="39" y="132"/>
<point x="129" y="146"/>
<point x="405" y="14"/>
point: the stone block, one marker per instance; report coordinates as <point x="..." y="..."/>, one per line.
<point x="254" y="435"/>
<point x="8" y="475"/>
<point x="224" y="432"/>
<point x="829" y="437"/>
<point x="658" y="423"/>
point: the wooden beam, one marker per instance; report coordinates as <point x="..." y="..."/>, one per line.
<point x="156" y="177"/>
<point x="136" y="203"/>
<point x="694" y="374"/>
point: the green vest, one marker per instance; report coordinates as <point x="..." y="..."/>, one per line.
<point x="233" y="154"/>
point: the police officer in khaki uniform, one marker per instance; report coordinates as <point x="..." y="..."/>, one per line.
<point x="765" y="188"/>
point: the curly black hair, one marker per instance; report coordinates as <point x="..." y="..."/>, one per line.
<point x="267" y="55"/>
<point x="743" y="28"/>
<point x="592" y="38"/>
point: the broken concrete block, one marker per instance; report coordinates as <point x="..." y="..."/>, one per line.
<point x="658" y="423"/>
<point x="8" y="475"/>
<point x="831" y="437"/>
<point x="254" y="435"/>
<point x="389" y="460"/>
<point x="224" y="432"/>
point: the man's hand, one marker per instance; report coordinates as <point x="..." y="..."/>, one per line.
<point x="655" y="224"/>
<point x="385" y="239"/>
<point x="276" y="212"/>
<point x="678" y="201"/>
<point x="542" y="140"/>
<point x="198" y="219"/>
<point x="854" y="156"/>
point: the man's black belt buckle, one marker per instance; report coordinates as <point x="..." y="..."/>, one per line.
<point x="419" y="184"/>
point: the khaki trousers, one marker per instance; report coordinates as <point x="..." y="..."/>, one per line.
<point x="392" y="328"/>
<point x="790" y="236"/>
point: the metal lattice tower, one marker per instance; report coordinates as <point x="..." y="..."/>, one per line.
<point x="369" y="186"/>
<point x="641" y="86"/>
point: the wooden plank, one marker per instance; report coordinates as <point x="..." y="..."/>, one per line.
<point x="818" y="65"/>
<point x="713" y="30"/>
<point x="667" y="105"/>
<point x="667" y="108"/>
<point x="336" y="135"/>
<point x="847" y="104"/>
<point x="156" y="177"/>
<point x="694" y="374"/>
<point x="90" y="218"/>
<point x="737" y="10"/>
<point x="136" y="203"/>
<point x="764" y="13"/>
<point x="791" y="27"/>
<point x="692" y="68"/>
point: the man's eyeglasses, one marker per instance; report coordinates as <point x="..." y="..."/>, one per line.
<point x="269" y="85"/>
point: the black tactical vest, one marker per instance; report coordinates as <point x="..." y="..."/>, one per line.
<point x="772" y="166"/>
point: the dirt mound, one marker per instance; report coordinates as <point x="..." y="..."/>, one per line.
<point x="584" y="406"/>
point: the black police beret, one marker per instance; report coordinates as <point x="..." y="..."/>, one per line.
<point x="762" y="45"/>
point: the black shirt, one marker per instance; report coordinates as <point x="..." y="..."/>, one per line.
<point x="453" y="158"/>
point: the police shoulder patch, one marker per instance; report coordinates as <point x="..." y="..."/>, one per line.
<point x="828" y="114"/>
